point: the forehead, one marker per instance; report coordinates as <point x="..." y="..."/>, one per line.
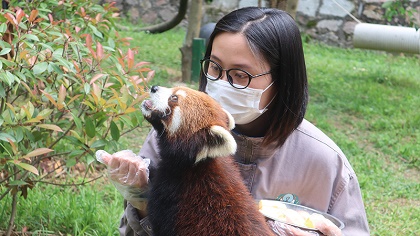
<point x="231" y="50"/>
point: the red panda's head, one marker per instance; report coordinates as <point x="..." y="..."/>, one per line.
<point x="183" y="116"/>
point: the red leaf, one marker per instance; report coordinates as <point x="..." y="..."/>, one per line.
<point x="130" y="60"/>
<point x="34" y="14"/>
<point x="99" y="51"/>
<point x="61" y="94"/>
<point x="51" y="19"/>
<point x="11" y="18"/>
<point x="19" y="15"/>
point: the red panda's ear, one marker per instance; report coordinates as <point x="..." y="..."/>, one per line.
<point x="226" y="144"/>
<point x="231" y="121"/>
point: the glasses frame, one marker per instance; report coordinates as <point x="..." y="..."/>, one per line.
<point x="229" y="78"/>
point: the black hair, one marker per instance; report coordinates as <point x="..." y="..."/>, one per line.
<point x="274" y="35"/>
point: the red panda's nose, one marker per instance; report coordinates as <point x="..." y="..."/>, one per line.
<point x="154" y="89"/>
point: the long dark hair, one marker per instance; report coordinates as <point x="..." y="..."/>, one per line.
<point x="274" y="35"/>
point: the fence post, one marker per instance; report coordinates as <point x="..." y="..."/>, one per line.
<point x="198" y="51"/>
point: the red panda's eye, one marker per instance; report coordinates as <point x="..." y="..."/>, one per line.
<point x="173" y="98"/>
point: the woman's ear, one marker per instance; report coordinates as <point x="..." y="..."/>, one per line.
<point x="231" y="121"/>
<point x="223" y="144"/>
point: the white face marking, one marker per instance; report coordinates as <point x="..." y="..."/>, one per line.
<point x="227" y="148"/>
<point x="176" y="121"/>
<point x="181" y="93"/>
<point x="159" y="100"/>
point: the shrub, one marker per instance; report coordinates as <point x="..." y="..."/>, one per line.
<point x="400" y="12"/>
<point x="66" y="89"/>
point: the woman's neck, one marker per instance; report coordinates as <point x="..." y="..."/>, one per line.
<point x="256" y="128"/>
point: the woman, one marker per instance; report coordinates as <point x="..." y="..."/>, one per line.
<point x="254" y="66"/>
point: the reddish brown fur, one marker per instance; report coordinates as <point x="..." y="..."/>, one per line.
<point x="221" y="203"/>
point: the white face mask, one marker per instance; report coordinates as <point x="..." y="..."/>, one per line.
<point x="242" y="104"/>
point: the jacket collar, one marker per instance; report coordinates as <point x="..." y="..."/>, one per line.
<point x="250" y="150"/>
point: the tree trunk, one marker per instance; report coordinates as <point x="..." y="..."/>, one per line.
<point x="162" y="27"/>
<point x="291" y="7"/>
<point x="279" y="4"/>
<point x="193" y="30"/>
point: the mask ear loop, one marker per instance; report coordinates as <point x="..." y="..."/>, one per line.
<point x="272" y="99"/>
<point x="269" y="86"/>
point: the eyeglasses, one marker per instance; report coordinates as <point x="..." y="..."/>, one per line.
<point x="238" y="78"/>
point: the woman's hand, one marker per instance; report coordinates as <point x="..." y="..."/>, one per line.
<point x="129" y="173"/>
<point x="126" y="168"/>
<point x="325" y="226"/>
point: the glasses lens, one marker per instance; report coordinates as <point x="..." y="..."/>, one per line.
<point x="238" y="78"/>
<point x="211" y="70"/>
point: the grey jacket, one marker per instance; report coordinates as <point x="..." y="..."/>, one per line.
<point x="309" y="165"/>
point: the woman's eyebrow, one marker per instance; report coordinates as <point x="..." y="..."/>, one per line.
<point x="240" y="66"/>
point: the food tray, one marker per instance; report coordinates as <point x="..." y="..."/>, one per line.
<point x="295" y="207"/>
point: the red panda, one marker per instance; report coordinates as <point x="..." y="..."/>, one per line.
<point x="196" y="188"/>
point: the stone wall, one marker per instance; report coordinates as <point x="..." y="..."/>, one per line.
<point x="329" y="21"/>
<point x="324" y="20"/>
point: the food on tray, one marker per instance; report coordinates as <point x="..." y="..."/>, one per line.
<point x="278" y="210"/>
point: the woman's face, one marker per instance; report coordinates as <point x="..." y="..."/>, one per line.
<point x="231" y="50"/>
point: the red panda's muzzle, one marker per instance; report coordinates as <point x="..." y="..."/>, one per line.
<point x="156" y="108"/>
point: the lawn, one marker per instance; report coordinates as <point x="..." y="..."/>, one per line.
<point x="366" y="101"/>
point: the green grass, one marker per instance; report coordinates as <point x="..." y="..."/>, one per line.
<point x="366" y="101"/>
<point x="92" y="209"/>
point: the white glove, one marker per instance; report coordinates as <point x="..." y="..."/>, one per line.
<point x="129" y="173"/>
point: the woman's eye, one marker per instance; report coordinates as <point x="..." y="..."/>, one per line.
<point x="214" y="68"/>
<point x="240" y="75"/>
<point x="173" y="98"/>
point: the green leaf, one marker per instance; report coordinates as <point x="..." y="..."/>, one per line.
<point x="115" y="132"/>
<point x="386" y="4"/>
<point x="4" y="51"/>
<point x="46" y="46"/>
<point x="90" y="159"/>
<point x="90" y="127"/>
<point x="5" y="136"/>
<point x="39" y="68"/>
<point x="87" y="88"/>
<point x="32" y="37"/>
<point x="99" y="144"/>
<point x="74" y="140"/>
<point x="77" y="121"/>
<point x="75" y="153"/>
<point x="28" y="167"/>
<point x="63" y="62"/>
<point x="4" y="44"/>
<point x="127" y="121"/>
<point x="96" y="31"/>
<point x="55" y="68"/>
<point x="12" y="77"/>
<point x="6" y="62"/>
<point x="19" y="134"/>
<point x="2" y="92"/>
<point x="3" y="28"/>
<point x="17" y="183"/>
<point x="71" y="162"/>
<point x="111" y="43"/>
<point x="20" y="75"/>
